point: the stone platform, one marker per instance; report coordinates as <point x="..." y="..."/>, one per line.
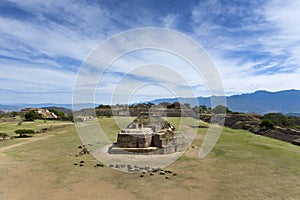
<point x="177" y="144"/>
<point x="148" y="134"/>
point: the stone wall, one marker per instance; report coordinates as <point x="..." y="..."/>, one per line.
<point x="135" y="140"/>
<point x="281" y="135"/>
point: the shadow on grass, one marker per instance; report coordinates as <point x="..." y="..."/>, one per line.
<point x="23" y="136"/>
<point x="200" y="126"/>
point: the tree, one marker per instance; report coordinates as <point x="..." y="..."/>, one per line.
<point x="13" y="114"/>
<point x="24" y="132"/>
<point x="202" y="108"/>
<point x="102" y="106"/>
<point x="3" y="135"/>
<point x="57" y="113"/>
<point x="164" y="104"/>
<point x="267" y="124"/>
<point x="220" y="109"/>
<point x="278" y="119"/>
<point x="30" y="116"/>
<point x="175" y="105"/>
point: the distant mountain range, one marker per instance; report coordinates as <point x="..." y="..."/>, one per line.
<point x="60" y="107"/>
<point x="260" y="102"/>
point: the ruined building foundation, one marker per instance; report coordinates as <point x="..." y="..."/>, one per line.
<point x="148" y="134"/>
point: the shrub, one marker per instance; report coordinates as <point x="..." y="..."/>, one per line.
<point x="267" y="124"/>
<point x="13" y="114"/>
<point x="31" y="116"/>
<point x="220" y="109"/>
<point x="24" y="132"/>
<point x="57" y="113"/>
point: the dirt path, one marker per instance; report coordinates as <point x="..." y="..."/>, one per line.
<point x="34" y="139"/>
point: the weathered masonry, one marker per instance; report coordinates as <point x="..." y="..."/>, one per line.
<point x="148" y="134"/>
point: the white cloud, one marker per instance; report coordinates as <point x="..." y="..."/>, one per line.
<point x="268" y="40"/>
<point x="28" y="78"/>
<point x="70" y="30"/>
<point x="169" y="21"/>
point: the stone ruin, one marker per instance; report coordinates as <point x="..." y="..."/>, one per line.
<point x="148" y="134"/>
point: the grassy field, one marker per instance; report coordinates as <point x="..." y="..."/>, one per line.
<point x="37" y="125"/>
<point x="241" y="166"/>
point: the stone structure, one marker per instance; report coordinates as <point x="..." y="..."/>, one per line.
<point x="148" y="134"/>
<point x="41" y="113"/>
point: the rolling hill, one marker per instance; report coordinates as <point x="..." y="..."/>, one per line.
<point x="260" y="102"/>
<point x="287" y="101"/>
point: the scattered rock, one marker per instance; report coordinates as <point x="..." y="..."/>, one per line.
<point x="167" y="177"/>
<point x="81" y="165"/>
<point x="162" y="173"/>
<point x="142" y="175"/>
<point x="151" y="173"/>
<point x="84" y="151"/>
<point x="129" y="166"/>
<point x="75" y="164"/>
<point x="82" y="161"/>
<point x="122" y="165"/>
<point x="174" y="174"/>
<point x="137" y="169"/>
<point x="131" y="170"/>
<point x="155" y="169"/>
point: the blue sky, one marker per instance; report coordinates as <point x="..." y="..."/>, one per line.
<point x="255" y="45"/>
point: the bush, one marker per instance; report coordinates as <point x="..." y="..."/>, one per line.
<point x="267" y="124"/>
<point x="281" y="120"/>
<point x="57" y="113"/>
<point x="24" y="132"/>
<point x="13" y="114"/>
<point x="175" y="105"/>
<point x="220" y="109"/>
<point x="31" y="116"/>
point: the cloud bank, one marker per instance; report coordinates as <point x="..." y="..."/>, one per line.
<point x="255" y="45"/>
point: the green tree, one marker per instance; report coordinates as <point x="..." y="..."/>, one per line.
<point x="267" y="124"/>
<point x="30" y="116"/>
<point x="57" y="113"/>
<point x="202" y="108"/>
<point x="220" y="109"/>
<point x="175" y="105"/>
<point x="24" y="132"/>
<point x="13" y="114"/>
<point x="278" y="119"/>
